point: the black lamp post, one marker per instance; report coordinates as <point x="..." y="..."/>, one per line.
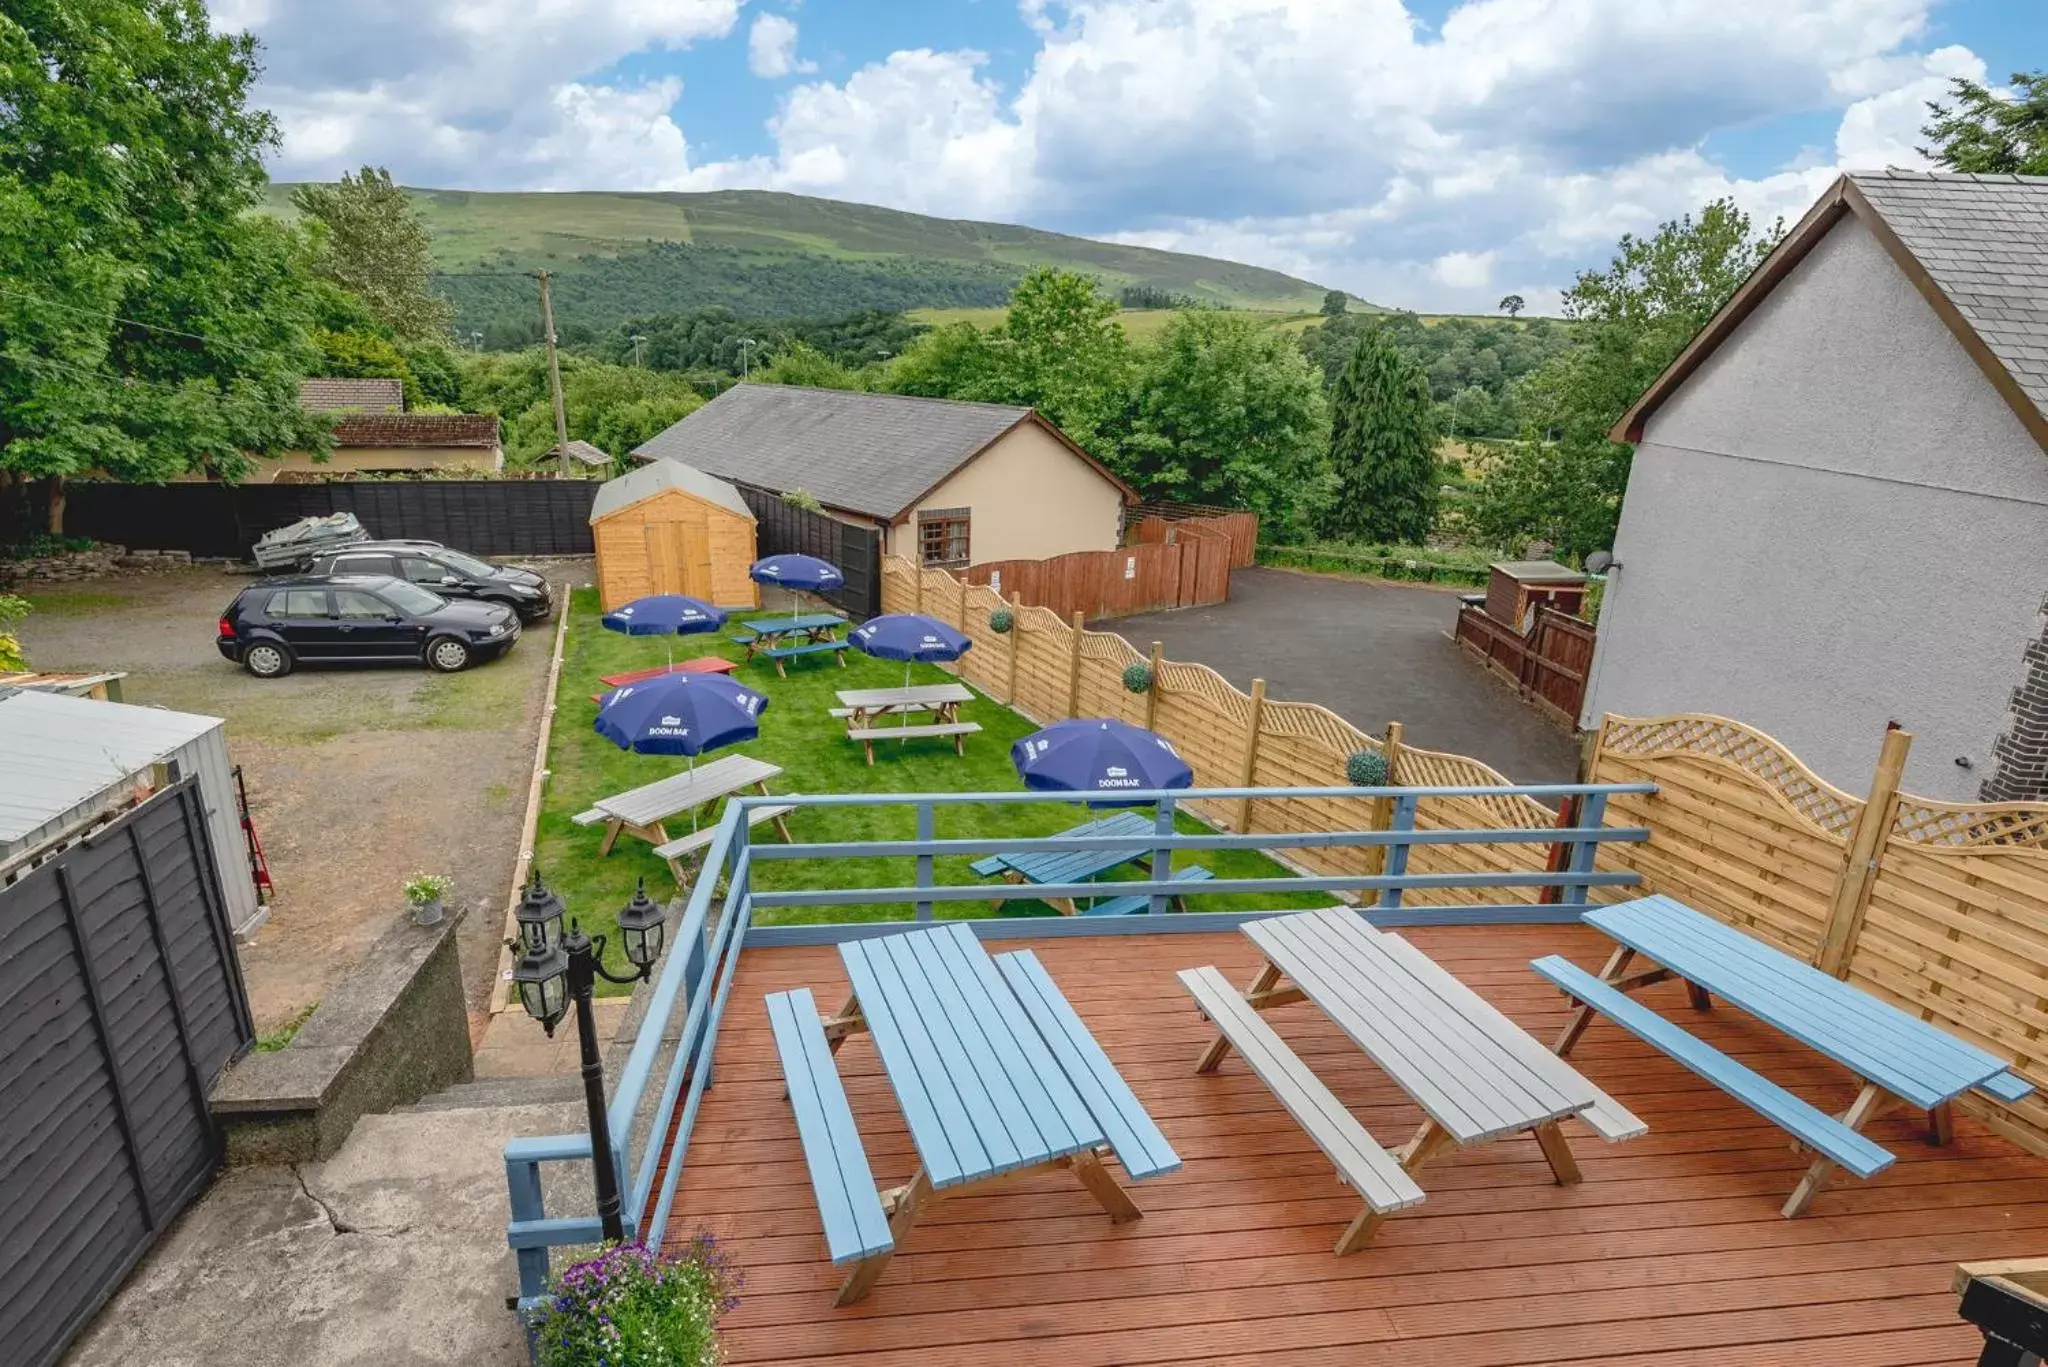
<point x="555" y="970"/>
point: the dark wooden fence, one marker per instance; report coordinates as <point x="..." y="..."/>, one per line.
<point x="125" y="1001"/>
<point x="482" y="516"/>
<point x="782" y="529"/>
<point x="1240" y="528"/>
<point x="1548" y="665"/>
<point x="1184" y="572"/>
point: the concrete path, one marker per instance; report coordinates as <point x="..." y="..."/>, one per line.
<point x="1370" y="651"/>
<point x="390" y="1254"/>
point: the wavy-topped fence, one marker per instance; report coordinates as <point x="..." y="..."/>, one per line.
<point x="1946" y="916"/>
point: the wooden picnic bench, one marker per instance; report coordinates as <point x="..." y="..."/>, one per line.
<point x="644" y="811"/>
<point x="956" y="731"/>
<point x="1476" y="1074"/>
<point x="702" y="664"/>
<point x="1897" y="1058"/>
<point x="780" y="639"/>
<point x="861" y="706"/>
<point x="995" y="1073"/>
<point x="1081" y="866"/>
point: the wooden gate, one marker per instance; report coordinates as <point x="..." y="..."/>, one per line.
<point x="679" y="558"/>
<point x="125" y="1001"/>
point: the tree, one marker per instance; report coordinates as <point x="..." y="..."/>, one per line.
<point x="1335" y="302"/>
<point x="369" y="241"/>
<point x="1992" y="132"/>
<point x="1227" y="412"/>
<point x="1065" y="354"/>
<point x="1382" y="447"/>
<point x="150" y="323"/>
<point x="802" y="363"/>
<point x="1512" y="305"/>
<point x="1564" y="480"/>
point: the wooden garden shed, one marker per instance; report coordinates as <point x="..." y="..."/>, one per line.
<point x="670" y="528"/>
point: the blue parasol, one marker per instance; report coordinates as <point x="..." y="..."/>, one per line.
<point x="909" y="636"/>
<point x="795" y="572"/>
<point x="1099" y="755"/>
<point x="664" y="614"/>
<point x="680" y="714"/>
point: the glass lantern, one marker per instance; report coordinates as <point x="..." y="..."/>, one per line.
<point x="543" y="983"/>
<point x="641" y="929"/>
<point x="539" y="917"/>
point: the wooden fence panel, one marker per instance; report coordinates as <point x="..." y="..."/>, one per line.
<point x="1092" y="583"/>
<point x="1549" y="665"/>
<point x="1239" y="527"/>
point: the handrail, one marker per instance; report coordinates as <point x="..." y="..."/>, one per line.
<point x="700" y="969"/>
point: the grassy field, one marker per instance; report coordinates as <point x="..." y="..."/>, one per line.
<point x="1140" y="325"/>
<point x="519" y="230"/>
<point x="815" y="757"/>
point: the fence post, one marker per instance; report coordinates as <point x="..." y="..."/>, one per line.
<point x="1251" y="751"/>
<point x="1074" y="669"/>
<point x="1162" y="859"/>
<point x="1861" y="859"/>
<point x="1152" y="693"/>
<point x="925" y="829"/>
<point x="1397" y="855"/>
<point x="1016" y="644"/>
<point x="917" y="587"/>
<point x="1383" y="807"/>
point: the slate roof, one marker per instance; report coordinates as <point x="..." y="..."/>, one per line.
<point x="1984" y="241"/>
<point x="352" y="396"/>
<point x="659" y="475"/>
<point x="863" y="453"/>
<point x="417" y="429"/>
<point x="581" y="451"/>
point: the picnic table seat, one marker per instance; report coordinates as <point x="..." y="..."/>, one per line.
<point x="779" y="654"/>
<point x="1371" y="1171"/>
<point x="698" y="839"/>
<point x="1131" y="906"/>
<point x="1811" y="1126"/>
<point x="1116" y="824"/>
<point x="856" y="1226"/>
<point x="957" y="731"/>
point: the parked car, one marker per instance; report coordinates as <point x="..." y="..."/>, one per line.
<point x="450" y="573"/>
<point x="273" y="625"/>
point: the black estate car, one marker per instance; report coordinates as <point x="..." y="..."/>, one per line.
<point x="452" y="574"/>
<point x="273" y="625"/>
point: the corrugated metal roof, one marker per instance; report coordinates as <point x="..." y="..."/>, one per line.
<point x="58" y="753"/>
<point x="658" y="476"/>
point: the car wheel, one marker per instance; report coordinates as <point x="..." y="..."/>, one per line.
<point x="448" y="654"/>
<point x="267" y="660"/>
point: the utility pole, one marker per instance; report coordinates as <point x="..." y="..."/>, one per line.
<point x="547" y="322"/>
<point x="638" y="340"/>
<point x="747" y="345"/>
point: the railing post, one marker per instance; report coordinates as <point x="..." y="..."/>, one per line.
<point x="522" y="1185"/>
<point x="926" y="826"/>
<point x="1152" y="693"/>
<point x="1074" y="669"/>
<point x="1251" y="752"/>
<point x="1591" y="815"/>
<point x="1162" y="858"/>
<point x="1861" y="857"/>
<point x="1016" y="644"/>
<point x="1403" y="819"/>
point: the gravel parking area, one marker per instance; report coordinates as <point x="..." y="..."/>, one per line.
<point x="1370" y="651"/>
<point x="357" y="776"/>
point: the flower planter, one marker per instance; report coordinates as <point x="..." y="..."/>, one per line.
<point x="428" y="913"/>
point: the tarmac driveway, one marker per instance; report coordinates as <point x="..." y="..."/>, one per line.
<point x="1370" y="651"/>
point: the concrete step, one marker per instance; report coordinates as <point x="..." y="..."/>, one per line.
<point x="490" y="1093"/>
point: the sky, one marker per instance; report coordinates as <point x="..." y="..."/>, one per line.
<point x="1418" y="153"/>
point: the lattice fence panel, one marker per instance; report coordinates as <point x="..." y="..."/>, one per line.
<point x="1740" y="747"/>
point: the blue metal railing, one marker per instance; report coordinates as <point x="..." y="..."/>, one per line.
<point x="697" y="976"/>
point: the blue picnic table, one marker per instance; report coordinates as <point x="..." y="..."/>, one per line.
<point x="1899" y="1059"/>
<point x="784" y="638"/>
<point x="1083" y="866"/>
<point x="995" y="1074"/>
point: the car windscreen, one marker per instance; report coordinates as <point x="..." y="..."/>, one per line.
<point x="468" y="564"/>
<point x="411" y="599"/>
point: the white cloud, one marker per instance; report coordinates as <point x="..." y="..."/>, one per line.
<point x="771" y="47"/>
<point x="1883" y="129"/>
<point x="1464" y="270"/>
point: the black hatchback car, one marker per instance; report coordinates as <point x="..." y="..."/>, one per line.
<point x="450" y="573"/>
<point x="272" y="626"/>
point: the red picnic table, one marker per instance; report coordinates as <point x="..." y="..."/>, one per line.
<point x="703" y="664"/>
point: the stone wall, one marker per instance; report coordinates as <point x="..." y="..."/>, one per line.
<point x="71" y="567"/>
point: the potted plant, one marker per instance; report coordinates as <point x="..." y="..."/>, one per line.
<point x="630" y="1304"/>
<point x="425" y="891"/>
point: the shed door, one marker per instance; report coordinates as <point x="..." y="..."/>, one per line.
<point x="679" y="558"/>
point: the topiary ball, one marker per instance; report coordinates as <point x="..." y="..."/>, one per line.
<point x="1001" y="620"/>
<point x="1366" y="769"/>
<point x="1138" y="678"/>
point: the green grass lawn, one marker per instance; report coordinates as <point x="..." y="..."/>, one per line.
<point x="815" y="757"/>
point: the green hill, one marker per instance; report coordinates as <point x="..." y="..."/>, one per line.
<point x="766" y="254"/>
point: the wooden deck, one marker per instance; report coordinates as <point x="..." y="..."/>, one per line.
<point x="1671" y="1252"/>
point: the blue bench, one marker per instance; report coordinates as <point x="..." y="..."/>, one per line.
<point x="856" y="1226"/>
<point x="1808" y="1124"/>
<point x="780" y="653"/>
<point x="1131" y="906"/>
<point x="1132" y="1135"/>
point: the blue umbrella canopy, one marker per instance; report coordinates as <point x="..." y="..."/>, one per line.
<point x="1099" y="755"/>
<point x="909" y="636"/>
<point x="664" y="614"/>
<point x="680" y="714"/>
<point x="797" y="572"/>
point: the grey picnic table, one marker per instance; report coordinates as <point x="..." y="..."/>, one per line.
<point x="644" y="811"/>
<point x="995" y="1073"/>
<point x="860" y="706"/>
<point x="1476" y="1074"/>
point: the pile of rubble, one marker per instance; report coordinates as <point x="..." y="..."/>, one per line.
<point x="70" y="567"/>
